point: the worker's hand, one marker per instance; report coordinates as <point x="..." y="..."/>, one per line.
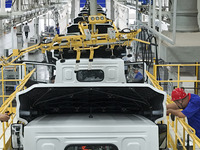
<point x="168" y="112"/>
<point x="4" y="117"/>
<point x="177" y="113"/>
<point x="172" y="117"/>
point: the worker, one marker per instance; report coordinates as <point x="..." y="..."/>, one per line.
<point x="57" y="28"/>
<point x="51" y="30"/>
<point x="26" y="30"/>
<point x="138" y="76"/>
<point x="52" y="80"/>
<point x="190" y="103"/>
<point x="4" y="117"/>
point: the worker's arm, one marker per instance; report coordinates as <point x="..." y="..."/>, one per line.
<point x="172" y="106"/>
<point x="4" y="117"/>
<point x="177" y="113"/>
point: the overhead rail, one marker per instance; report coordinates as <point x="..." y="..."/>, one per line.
<point x="7" y="106"/>
<point x="174" y="125"/>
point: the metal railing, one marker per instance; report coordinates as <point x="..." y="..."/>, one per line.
<point x="173" y="141"/>
<point x="4" y="80"/>
<point x="178" y="81"/>
<point x="7" y="106"/>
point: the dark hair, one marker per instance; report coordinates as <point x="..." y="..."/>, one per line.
<point x="182" y="88"/>
<point x="53" y="77"/>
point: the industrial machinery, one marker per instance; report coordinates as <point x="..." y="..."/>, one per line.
<point x="90" y="105"/>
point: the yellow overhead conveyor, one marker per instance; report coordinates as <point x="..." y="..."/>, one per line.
<point x="80" y="42"/>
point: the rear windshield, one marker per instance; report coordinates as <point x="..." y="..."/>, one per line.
<point x="90" y="75"/>
<point x="91" y="147"/>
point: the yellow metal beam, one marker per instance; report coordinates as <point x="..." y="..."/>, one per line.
<point x="79" y="42"/>
<point x="197" y="76"/>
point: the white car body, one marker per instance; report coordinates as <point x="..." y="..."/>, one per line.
<point x="49" y="124"/>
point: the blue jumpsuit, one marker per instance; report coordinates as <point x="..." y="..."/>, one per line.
<point x="192" y="112"/>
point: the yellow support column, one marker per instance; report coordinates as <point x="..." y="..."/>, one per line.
<point x="197" y="74"/>
<point x="168" y="134"/>
<point x="184" y="133"/>
<point x="154" y="68"/>
<point x="178" y="76"/>
<point x="78" y="55"/>
<point x="91" y="54"/>
<point x="4" y="138"/>
<point x="176" y="129"/>
<point x="2" y="80"/>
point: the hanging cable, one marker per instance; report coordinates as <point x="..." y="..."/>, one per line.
<point x="146" y="50"/>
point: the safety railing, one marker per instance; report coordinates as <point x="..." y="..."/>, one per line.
<point x="172" y="142"/>
<point x="7" y="106"/>
<point x="178" y="81"/>
<point x="13" y="69"/>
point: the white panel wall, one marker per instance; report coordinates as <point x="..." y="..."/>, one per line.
<point x="198" y="6"/>
<point x="108" y="8"/>
<point x="64" y="19"/>
<point x="2" y="5"/>
<point x="121" y="16"/>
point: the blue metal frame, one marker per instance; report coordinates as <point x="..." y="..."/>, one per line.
<point x="100" y="2"/>
<point x="145" y="2"/>
<point x="8" y="3"/>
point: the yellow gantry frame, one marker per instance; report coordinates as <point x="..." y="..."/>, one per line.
<point x="79" y="42"/>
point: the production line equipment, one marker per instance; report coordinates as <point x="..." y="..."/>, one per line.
<point x="90" y="105"/>
<point x="89" y="40"/>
